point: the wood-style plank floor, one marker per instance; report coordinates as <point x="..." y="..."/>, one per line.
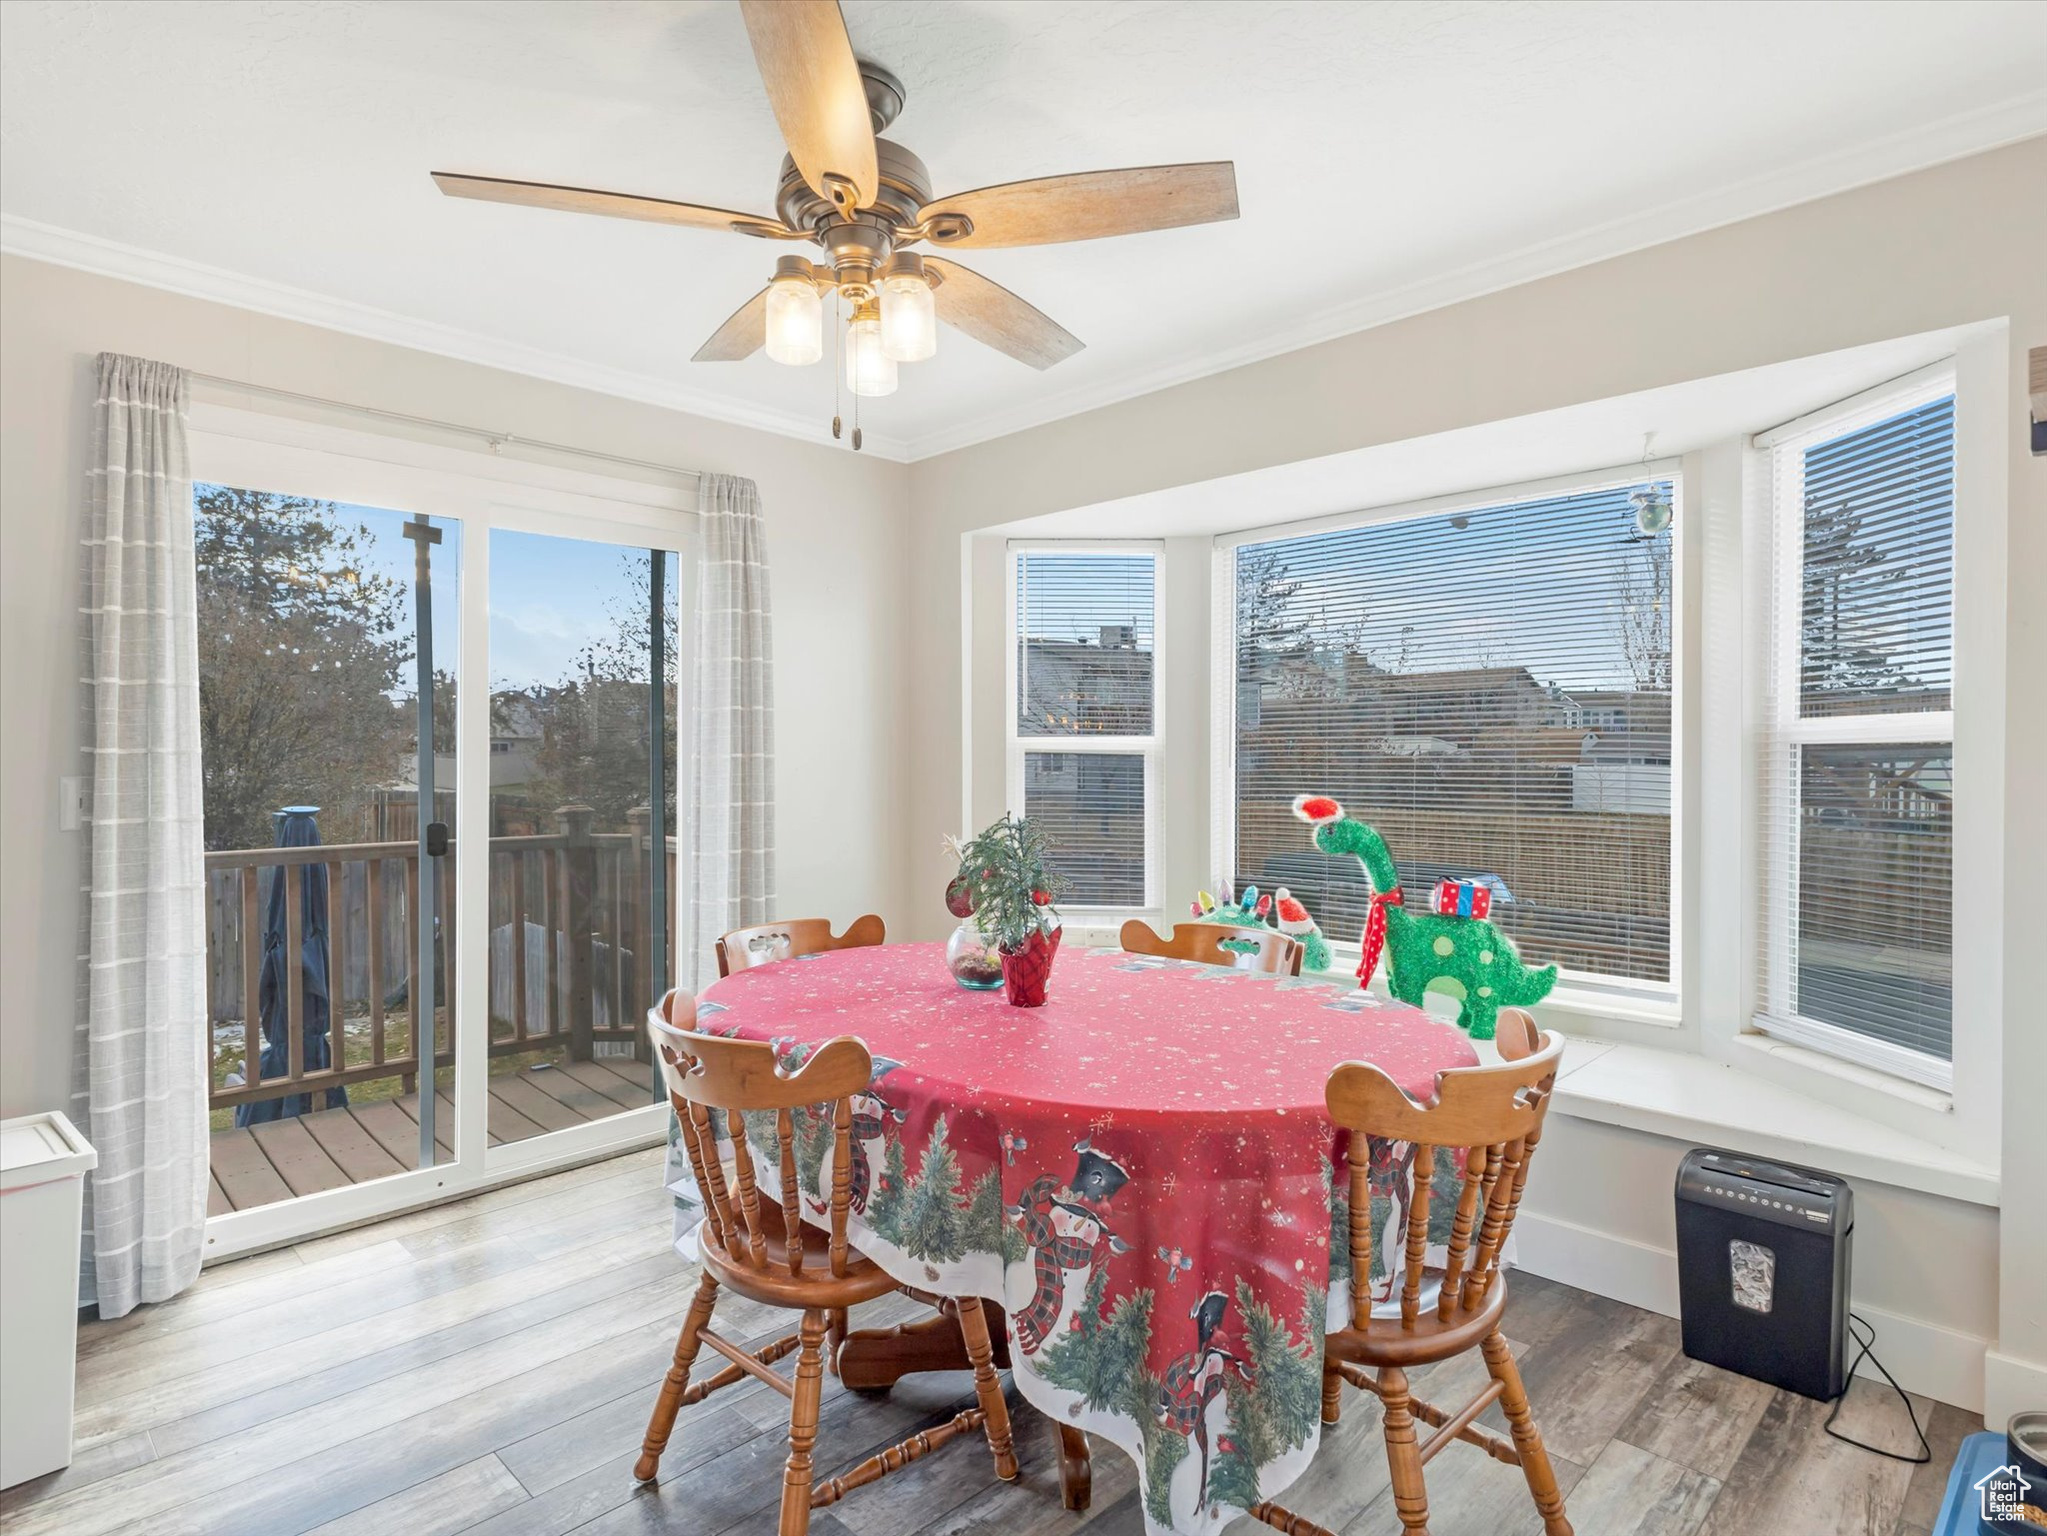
<point x="304" y="1154"/>
<point x="488" y="1366"/>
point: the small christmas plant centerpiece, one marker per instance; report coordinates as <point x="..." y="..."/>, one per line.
<point x="1012" y="891"/>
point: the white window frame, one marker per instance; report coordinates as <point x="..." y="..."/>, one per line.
<point x="484" y="492"/>
<point x="1784" y="731"/>
<point x="1150" y="747"/>
<point x="1596" y="1001"/>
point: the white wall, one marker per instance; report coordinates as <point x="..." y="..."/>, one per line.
<point x="836" y="544"/>
<point x="1947" y="247"/>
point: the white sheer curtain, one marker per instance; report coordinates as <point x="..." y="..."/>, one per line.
<point x="139" y="1052"/>
<point x="732" y="791"/>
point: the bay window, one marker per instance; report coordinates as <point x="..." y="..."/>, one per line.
<point x="1858" y="745"/>
<point x="1083" y="716"/>
<point x="1488" y="682"/>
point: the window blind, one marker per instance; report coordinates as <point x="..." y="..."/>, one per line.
<point x="1858" y="765"/>
<point x="1490" y="689"/>
<point x="1085" y="715"/>
<point x="1084" y="644"/>
<point x="1090" y="806"/>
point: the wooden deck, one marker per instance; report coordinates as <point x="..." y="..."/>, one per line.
<point x="332" y="1147"/>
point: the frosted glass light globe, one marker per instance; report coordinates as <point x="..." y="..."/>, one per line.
<point x="909" y="317"/>
<point x="795" y="322"/>
<point x="870" y="371"/>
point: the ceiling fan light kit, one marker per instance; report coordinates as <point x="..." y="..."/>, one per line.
<point x="863" y="199"/>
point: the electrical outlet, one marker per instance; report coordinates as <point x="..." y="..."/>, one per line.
<point x="74" y="803"/>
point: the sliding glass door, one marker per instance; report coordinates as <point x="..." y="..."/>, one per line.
<point x="328" y="760"/>
<point x="583" y="703"/>
<point x="442" y="722"/>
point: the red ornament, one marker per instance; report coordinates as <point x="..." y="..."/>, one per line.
<point x="1041" y="898"/>
<point x="959" y="897"/>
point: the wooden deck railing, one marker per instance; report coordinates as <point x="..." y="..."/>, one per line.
<point x="570" y="936"/>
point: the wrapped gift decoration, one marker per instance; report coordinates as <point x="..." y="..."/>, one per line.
<point x="1462" y="898"/>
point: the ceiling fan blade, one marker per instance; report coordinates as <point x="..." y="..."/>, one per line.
<point x="813" y="80"/>
<point x="616" y="205"/>
<point x="995" y="317"/>
<point x="739" y="337"/>
<point x="1091" y="205"/>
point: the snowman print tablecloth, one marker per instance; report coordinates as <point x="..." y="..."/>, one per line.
<point x="1142" y="1172"/>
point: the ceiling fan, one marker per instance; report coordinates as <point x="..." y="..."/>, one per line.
<point x="866" y="200"/>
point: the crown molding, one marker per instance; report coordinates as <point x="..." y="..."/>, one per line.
<point x="1954" y="138"/>
<point x="111" y="258"/>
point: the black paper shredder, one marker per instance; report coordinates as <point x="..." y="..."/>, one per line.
<point x="1762" y="1269"/>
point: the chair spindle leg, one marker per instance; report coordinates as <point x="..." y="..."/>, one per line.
<point x="662" y="1424"/>
<point x="980" y="1352"/>
<point x="1403" y="1457"/>
<point x="803" y="1405"/>
<point x="1535" y="1465"/>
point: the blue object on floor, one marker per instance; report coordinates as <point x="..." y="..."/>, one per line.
<point x="1961" y="1511"/>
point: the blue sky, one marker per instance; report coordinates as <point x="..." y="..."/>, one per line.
<point x="549" y="596"/>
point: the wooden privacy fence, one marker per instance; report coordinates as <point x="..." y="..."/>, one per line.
<point x="570" y="939"/>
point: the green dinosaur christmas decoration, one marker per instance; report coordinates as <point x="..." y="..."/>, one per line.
<point x="1465" y="956"/>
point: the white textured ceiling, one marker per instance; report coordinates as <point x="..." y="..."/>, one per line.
<point x="1389" y="156"/>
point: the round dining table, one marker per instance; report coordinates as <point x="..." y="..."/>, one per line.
<point x="1141" y="1174"/>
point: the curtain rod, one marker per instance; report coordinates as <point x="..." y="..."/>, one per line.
<point x="496" y="440"/>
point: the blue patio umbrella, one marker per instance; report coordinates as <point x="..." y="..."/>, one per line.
<point x="296" y="828"/>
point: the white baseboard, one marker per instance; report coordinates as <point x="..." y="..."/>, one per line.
<point x="1926" y="1358"/>
<point x="2011" y="1385"/>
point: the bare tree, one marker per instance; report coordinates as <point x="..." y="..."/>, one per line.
<point x="1642" y="598"/>
<point x="302" y="660"/>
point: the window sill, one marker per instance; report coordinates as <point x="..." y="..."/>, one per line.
<point x="1690" y="1098"/>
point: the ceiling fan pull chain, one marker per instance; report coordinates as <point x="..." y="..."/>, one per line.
<point x="838" y="364"/>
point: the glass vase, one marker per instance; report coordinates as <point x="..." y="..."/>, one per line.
<point x="974" y="962"/>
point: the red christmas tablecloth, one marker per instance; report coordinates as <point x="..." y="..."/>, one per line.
<point x="1141" y="1171"/>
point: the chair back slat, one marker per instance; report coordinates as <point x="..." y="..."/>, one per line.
<point x="1360" y="1159"/>
<point x="1469" y="1195"/>
<point x="709" y="1076"/>
<point x="1489" y="1116"/>
<point x="1417" y="1234"/>
<point x="792" y="1214"/>
<point x="1275" y="954"/>
<point x="749" y="1195"/>
<point x="842" y="1180"/>
<point x="744" y="948"/>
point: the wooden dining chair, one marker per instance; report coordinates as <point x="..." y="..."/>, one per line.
<point x="744" y="948"/>
<point x="1275" y="954"/>
<point x="1493" y="1116"/>
<point x="755" y="1242"/>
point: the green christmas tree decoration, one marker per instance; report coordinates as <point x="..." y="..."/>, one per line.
<point x="934" y="1207"/>
<point x="1164" y="1450"/>
<point x="885" y="1204"/>
<point x="1273" y="1411"/>
<point x="987" y="1228"/>
<point x="1069" y="1360"/>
